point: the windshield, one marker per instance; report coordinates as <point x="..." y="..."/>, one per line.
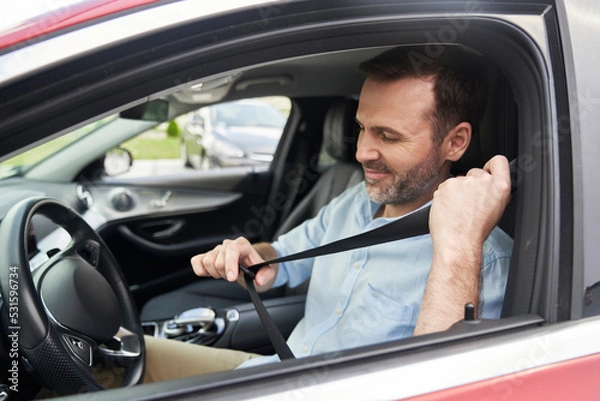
<point x="19" y="164"/>
<point x="247" y="115"/>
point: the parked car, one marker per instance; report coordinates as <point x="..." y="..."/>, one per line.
<point x="232" y="134"/>
<point x="82" y="251"/>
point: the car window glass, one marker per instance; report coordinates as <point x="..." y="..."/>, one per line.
<point x="241" y="133"/>
<point x="155" y="151"/>
<point x="247" y="115"/>
<point x="20" y="163"/>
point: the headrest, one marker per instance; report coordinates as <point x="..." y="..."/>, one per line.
<point x="340" y="130"/>
<point x="497" y="131"/>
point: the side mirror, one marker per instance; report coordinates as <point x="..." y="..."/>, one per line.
<point x="117" y="161"/>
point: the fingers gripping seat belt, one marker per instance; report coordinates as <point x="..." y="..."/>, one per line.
<point x="416" y="223"/>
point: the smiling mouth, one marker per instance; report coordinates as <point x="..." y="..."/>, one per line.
<point x="375" y="173"/>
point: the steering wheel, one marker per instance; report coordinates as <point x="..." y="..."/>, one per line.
<point x="74" y="311"/>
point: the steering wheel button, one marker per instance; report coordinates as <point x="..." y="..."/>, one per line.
<point x="90" y="252"/>
<point x="80" y="348"/>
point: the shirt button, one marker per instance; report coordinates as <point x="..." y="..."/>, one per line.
<point x="305" y="350"/>
<point x="356" y="265"/>
<point x="338" y="311"/>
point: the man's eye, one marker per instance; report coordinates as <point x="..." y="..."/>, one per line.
<point x="387" y="138"/>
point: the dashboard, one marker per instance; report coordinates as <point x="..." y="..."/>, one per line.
<point x="100" y="205"/>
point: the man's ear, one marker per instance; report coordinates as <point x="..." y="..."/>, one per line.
<point x="457" y="141"/>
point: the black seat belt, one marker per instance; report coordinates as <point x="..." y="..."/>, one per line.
<point x="411" y="225"/>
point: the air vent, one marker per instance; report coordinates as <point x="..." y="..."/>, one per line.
<point x="122" y="200"/>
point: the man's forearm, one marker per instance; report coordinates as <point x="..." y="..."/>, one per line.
<point x="463" y="213"/>
<point x="453" y="282"/>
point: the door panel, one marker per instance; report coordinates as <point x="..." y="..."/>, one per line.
<point x="163" y="221"/>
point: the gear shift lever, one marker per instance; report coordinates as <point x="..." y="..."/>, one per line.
<point x="193" y="320"/>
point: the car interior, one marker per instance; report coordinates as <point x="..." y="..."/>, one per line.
<point x="316" y="125"/>
<point x="339" y="133"/>
<point x="313" y="163"/>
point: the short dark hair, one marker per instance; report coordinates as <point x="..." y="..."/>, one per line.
<point x="460" y="80"/>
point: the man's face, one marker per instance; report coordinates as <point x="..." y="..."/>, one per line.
<point x="401" y="162"/>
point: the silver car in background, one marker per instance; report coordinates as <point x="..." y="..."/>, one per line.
<point x="232" y="134"/>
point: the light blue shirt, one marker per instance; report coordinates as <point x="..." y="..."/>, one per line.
<point x="369" y="295"/>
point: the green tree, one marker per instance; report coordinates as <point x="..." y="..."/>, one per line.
<point x="173" y="129"/>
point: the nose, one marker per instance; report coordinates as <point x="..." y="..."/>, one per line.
<point x="366" y="149"/>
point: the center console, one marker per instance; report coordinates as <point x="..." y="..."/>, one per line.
<point x="236" y="327"/>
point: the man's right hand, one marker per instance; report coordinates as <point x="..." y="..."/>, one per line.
<point x="223" y="261"/>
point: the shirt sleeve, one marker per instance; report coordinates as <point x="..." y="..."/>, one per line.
<point x="305" y="236"/>
<point x="497" y="252"/>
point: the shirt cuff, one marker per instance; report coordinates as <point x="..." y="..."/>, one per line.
<point x="282" y="275"/>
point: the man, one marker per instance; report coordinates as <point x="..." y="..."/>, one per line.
<point x="416" y="117"/>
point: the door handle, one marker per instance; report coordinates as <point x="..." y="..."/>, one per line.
<point x="163" y="229"/>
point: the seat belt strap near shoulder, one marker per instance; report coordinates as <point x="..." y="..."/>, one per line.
<point x="416" y="223"/>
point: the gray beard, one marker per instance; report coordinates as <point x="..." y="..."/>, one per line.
<point x="406" y="188"/>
